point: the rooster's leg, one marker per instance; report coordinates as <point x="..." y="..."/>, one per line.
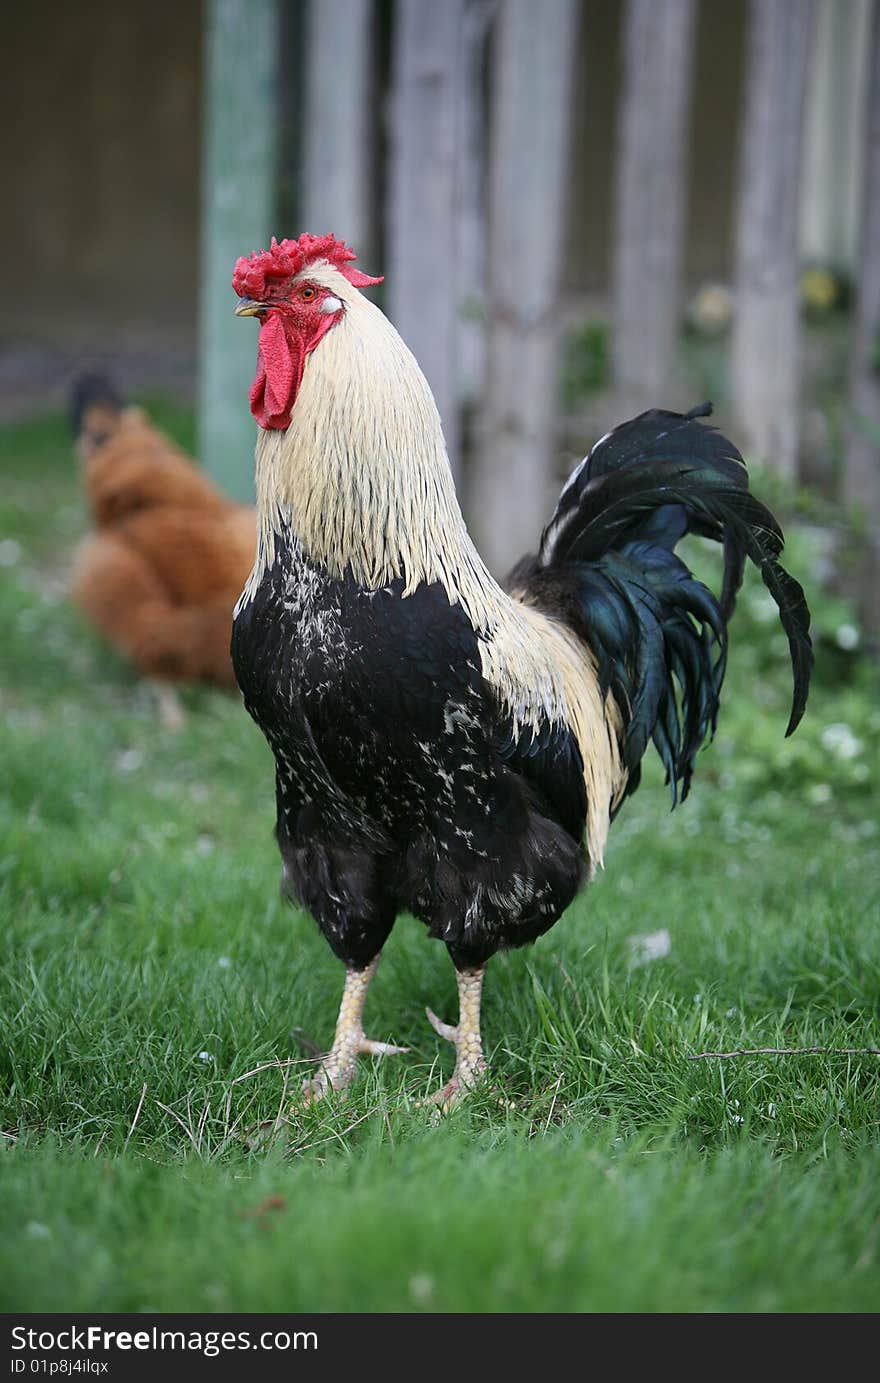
<point x="339" y="1065"/>
<point x="470" y="1064"/>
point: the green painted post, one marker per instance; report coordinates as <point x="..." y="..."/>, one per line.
<point x="241" y="125"/>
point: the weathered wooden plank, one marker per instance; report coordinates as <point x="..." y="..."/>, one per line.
<point x="513" y="483"/>
<point x="652" y="157"/>
<point x="239" y="183"/>
<point x="426" y="100"/>
<point x="831" y="199"/>
<point x="765" y="366"/>
<point x="471" y="247"/>
<point x="339" y="129"/>
<point x="862" y="464"/>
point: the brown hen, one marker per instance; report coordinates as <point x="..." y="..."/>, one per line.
<point x="160" y="576"/>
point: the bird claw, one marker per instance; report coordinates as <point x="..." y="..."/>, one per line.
<point x="338" y="1067"/>
<point x="320" y="1084"/>
<point x="470" y="1066"/>
<point x="370" y="1048"/>
<point x="446" y="1098"/>
<point x="443" y="1029"/>
<point x="463" y="1079"/>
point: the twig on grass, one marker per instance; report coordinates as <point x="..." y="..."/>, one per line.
<point x="203" y="1119"/>
<point x="137" y="1115"/>
<point x="280" y="1120"/>
<point x="336" y="1133"/>
<point x="187" y="1130"/>
<point x="276" y="1064"/>
<point x="230" y="1132"/>
<point x="787" y="1051"/>
<point x="553" y="1101"/>
<point x="571" y="984"/>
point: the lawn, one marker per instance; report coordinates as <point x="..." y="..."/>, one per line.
<point x="159" y="1002"/>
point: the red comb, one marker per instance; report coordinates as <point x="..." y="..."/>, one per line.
<point x="255" y="274"/>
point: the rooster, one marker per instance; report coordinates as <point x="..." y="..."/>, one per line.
<point x="446" y="745"/>
<point x="160" y="577"/>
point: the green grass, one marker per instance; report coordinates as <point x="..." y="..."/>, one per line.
<point x="149" y="969"/>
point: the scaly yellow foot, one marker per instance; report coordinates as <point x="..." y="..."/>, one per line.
<point x="470" y="1064"/>
<point x="338" y="1067"/>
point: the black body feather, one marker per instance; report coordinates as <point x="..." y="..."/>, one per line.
<point x="399" y="784"/>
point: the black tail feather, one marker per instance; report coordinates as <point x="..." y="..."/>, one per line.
<point x="660" y="644"/>
<point x="647" y="483"/>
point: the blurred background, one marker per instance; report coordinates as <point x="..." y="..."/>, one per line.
<point x="583" y="208"/>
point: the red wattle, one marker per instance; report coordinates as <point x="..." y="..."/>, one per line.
<point x="280" y="360"/>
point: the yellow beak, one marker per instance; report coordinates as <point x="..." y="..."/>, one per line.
<point x="248" y="308"/>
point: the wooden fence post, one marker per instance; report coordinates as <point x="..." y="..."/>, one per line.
<point x="829" y="223"/>
<point x="239" y="177"/>
<point x="338" y="129"/>
<point x="765" y="364"/>
<point x="862" y="466"/>
<point x="472" y="203"/>
<point x="512" y="486"/>
<point x="422" y="224"/>
<point x="651" y="174"/>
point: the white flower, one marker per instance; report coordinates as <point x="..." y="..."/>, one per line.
<point x="763" y="608"/>
<point x="846" y="636"/>
<point x="651" y="946"/>
<point x="205" y="1056"/>
<point x="224" y="962"/>
<point x="819" y="794"/>
<point x="421" y="1287"/>
<point x="839" y="739"/>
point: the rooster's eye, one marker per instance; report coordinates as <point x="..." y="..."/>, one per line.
<point x="307" y="294"/>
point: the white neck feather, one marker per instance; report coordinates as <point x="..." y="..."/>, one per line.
<point x="361" y="478"/>
<point x="361" y="475"/>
